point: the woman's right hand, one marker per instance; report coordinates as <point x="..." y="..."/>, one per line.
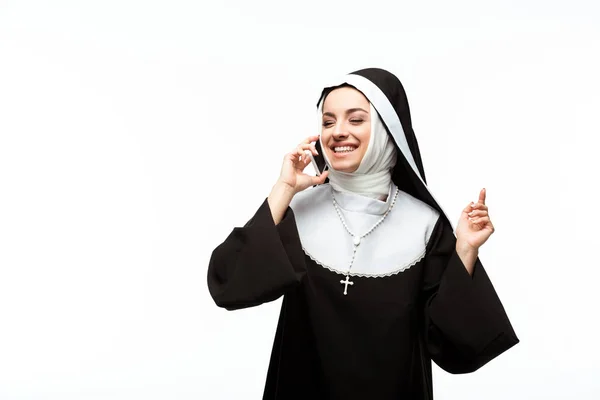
<point x="292" y="171"/>
<point x="293" y="179"/>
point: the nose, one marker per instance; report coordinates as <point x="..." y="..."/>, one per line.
<point x="340" y="131"/>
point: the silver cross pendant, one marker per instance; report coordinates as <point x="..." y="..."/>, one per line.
<point x="346" y="283"/>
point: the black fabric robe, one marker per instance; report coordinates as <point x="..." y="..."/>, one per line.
<point x="379" y="340"/>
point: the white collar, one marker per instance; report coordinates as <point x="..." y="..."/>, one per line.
<point x="398" y="243"/>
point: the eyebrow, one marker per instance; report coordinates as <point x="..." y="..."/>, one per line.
<point x="348" y="111"/>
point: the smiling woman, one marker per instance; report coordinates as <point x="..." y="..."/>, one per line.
<point x="346" y="128"/>
<point x="375" y="283"/>
<point x="355" y="144"/>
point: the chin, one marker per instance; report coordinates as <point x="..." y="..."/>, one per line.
<point x="345" y="162"/>
<point x="344" y="166"/>
<point x="348" y="163"/>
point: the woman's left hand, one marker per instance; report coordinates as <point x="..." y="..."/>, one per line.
<point x="474" y="227"/>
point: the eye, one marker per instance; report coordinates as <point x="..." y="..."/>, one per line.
<point x="357" y="120"/>
<point x="327" y="124"/>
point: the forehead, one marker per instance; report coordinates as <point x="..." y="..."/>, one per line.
<point x="344" y="98"/>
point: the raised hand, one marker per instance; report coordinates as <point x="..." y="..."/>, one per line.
<point x="292" y="171"/>
<point x="292" y="178"/>
<point x="474" y="227"/>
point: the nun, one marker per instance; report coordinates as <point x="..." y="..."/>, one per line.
<point x="376" y="282"/>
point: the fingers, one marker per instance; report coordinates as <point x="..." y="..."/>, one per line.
<point x="306" y="145"/>
<point x="310" y="139"/>
<point x="300" y="153"/>
<point x="302" y="150"/>
<point x="310" y="146"/>
<point x="478" y="213"/>
<point x="474" y="206"/>
<point x="482" y="194"/>
<point x="478" y="206"/>
<point x="306" y="181"/>
<point x="297" y="158"/>
<point x="302" y="159"/>
<point x="482" y="221"/>
<point x="319" y="180"/>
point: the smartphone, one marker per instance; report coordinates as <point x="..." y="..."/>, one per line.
<point x="318" y="162"/>
<point x="314" y="162"/>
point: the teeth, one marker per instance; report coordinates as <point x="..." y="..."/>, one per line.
<point x="345" y="149"/>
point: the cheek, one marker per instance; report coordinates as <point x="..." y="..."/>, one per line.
<point x="325" y="138"/>
<point x="364" y="135"/>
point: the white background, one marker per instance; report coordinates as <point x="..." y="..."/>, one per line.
<point x="136" y="134"/>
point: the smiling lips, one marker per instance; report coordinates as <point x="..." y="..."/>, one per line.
<point x="344" y="149"/>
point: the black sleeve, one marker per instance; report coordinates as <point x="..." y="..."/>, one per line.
<point x="256" y="263"/>
<point x="466" y="325"/>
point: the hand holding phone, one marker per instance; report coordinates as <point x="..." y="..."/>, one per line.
<point x="292" y="175"/>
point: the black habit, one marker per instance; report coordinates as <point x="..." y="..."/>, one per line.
<point x="378" y="341"/>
